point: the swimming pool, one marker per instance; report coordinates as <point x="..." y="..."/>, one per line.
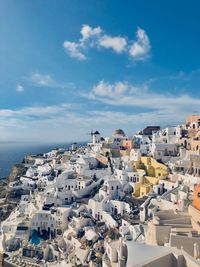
<point x="35" y="238"/>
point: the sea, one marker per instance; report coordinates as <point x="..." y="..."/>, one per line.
<point x="13" y="152"/>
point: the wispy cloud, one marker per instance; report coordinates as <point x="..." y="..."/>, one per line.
<point x="66" y="122"/>
<point x="111" y="105"/>
<point x="124" y="94"/>
<point x="95" y="37"/>
<point x="58" y="122"/>
<point x="20" y="88"/>
<point x="46" y="80"/>
<point x="44" y="123"/>
<point x="190" y="77"/>
<point x="38" y="111"/>
<point x="53" y="123"/>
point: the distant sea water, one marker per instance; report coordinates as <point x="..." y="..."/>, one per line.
<point x="13" y="152"/>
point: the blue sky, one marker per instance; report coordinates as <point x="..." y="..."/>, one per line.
<point x="67" y="67"/>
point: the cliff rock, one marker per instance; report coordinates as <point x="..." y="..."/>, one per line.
<point x="17" y="170"/>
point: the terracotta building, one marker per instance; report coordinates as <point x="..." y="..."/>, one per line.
<point x="197" y="197"/>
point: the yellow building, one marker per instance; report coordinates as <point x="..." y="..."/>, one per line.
<point x="154" y="171"/>
<point x="137" y="190"/>
<point x="150" y="180"/>
<point x="124" y="153"/>
<point x="144" y="189"/>
<point x="155" y="168"/>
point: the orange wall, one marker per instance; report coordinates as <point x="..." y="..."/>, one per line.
<point x="192" y="118"/>
<point x="128" y="144"/>
<point x="196" y="202"/>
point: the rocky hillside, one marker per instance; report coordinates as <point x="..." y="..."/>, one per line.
<point x="3" y="185"/>
<point x="17" y="170"/>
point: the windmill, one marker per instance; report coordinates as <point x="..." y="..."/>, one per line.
<point x="91" y="133"/>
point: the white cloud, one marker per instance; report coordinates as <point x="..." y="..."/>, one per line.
<point x="74" y="50"/>
<point x="56" y="123"/>
<point x="45" y="80"/>
<point x="65" y="124"/>
<point x="88" y="32"/>
<point x="109" y="90"/>
<point x="69" y="122"/>
<point x="125" y="94"/>
<point x="95" y="37"/>
<point x="118" y="44"/>
<point x="49" y="123"/>
<point x="77" y="49"/>
<point x="140" y="49"/>
<point x="20" y="88"/>
<point x="34" y="111"/>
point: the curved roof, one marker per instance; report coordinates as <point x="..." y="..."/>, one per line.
<point x="119" y="132"/>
